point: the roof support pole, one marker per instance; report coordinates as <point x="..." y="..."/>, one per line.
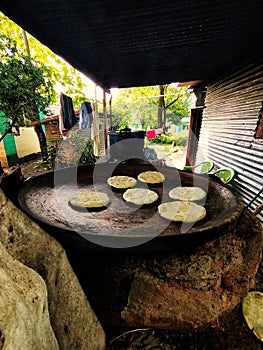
<point x="105" y="121"/>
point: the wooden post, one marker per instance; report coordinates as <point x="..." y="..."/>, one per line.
<point x="26" y="43"/>
<point x="193" y="135"/>
<point x="160" y="106"/>
<point x="105" y="121"/>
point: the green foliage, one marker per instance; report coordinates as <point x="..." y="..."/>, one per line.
<point x="180" y="139"/>
<point x="83" y="151"/>
<point x="141" y="104"/>
<point x="63" y="76"/>
<point x="161" y="139"/>
<point x="84" y="148"/>
<point x="25" y="87"/>
<point x="52" y="151"/>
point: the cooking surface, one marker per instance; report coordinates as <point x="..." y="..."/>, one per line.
<point x="45" y="198"/>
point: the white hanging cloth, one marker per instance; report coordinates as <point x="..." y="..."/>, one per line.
<point x="95" y="134"/>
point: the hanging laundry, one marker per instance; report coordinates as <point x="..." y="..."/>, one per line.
<point x="85" y="116"/>
<point x="67" y="112"/>
<point x="96" y="131"/>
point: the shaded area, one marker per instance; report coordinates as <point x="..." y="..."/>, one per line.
<point x="230" y="331"/>
<point x="124" y="44"/>
<point x="108" y="279"/>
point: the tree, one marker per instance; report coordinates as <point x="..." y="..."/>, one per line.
<point x="152" y="105"/>
<point x="173" y="105"/>
<point x="161" y="106"/>
<point x="25" y="89"/>
<point x="64" y="77"/>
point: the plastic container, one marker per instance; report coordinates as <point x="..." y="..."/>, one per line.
<point x="131" y="149"/>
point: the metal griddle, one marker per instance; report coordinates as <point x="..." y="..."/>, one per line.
<point x="45" y="199"/>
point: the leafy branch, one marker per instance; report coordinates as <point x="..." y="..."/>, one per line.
<point x="13" y="122"/>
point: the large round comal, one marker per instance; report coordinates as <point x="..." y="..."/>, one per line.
<point x="45" y="199"/>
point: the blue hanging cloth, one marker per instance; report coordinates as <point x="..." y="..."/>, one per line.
<point x="85" y="116"/>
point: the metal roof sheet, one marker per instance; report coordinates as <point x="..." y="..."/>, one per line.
<point x="120" y="43"/>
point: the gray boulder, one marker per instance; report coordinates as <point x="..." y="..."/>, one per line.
<point x="74" y="323"/>
<point x="24" y="317"/>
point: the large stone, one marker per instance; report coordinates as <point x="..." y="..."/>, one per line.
<point x="179" y="289"/>
<point x="24" y="317"/>
<point x="72" y="318"/>
<point x="193" y="290"/>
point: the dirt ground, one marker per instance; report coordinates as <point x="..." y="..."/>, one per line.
<point x="232" y="334"/>
<point x="173" y="156"/>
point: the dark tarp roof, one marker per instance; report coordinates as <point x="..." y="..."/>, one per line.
<point x="121" y="43"/>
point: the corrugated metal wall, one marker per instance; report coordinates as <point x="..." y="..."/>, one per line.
<point x="227" y="133"/>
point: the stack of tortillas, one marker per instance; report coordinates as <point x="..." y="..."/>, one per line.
<point x="252" y="307"/>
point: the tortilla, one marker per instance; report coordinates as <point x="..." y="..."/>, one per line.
<point x="122" y="182"/>
<point x="88" y="199"/>
<point x="182" y="211"/>
<point x="252" y="307"/>
<point x="151" y="177"/>
<point x="187" y="193"/>
<point x="140" y="196"/>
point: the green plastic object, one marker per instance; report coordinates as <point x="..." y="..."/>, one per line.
<point x="226" y="175"/>
<point x="201" y="168"/>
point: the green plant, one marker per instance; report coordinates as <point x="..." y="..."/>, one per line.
<point x="180" y="139"/>
<point x="156" y="140"/>
<point x="76" y="150"/>
<point x="74" y="83"/>
<point x="52" y="151"/>
<point x="25" y="88"/>
<point x="142" y="104"/>
<point x="84" y="148"/>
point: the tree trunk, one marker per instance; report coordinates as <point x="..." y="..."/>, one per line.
<point x="26" y="43"/>
<point x="160" y="106"/>
<point x="42" y="142"/>
<point x="164" y="119"/>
